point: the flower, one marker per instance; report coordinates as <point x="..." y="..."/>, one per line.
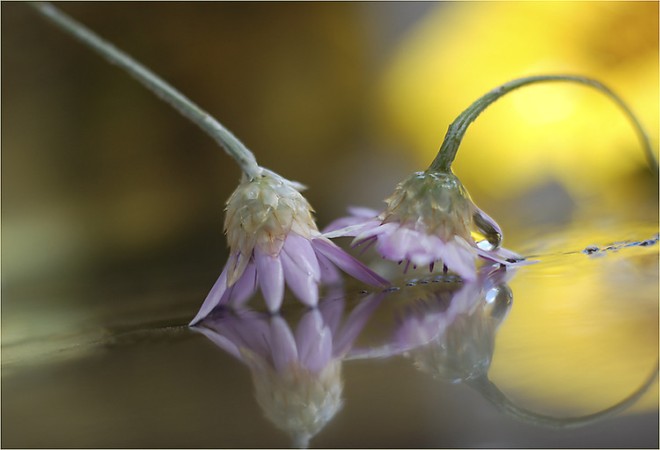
<point x="273" y="240"/>
<point x="296" y="371"/>
<point x="429" y="218"/>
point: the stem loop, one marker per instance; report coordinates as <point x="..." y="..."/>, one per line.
<point x="457" y="129"/>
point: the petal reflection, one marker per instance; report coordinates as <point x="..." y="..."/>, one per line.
<point x="295" y="367"/>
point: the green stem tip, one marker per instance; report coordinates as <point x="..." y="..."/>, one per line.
<point x="457" y="129"/>
<point x="155" y="84"/>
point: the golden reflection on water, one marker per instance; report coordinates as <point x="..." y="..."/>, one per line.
<point x="583" y="331"/>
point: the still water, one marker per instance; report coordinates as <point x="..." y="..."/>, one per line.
<point x="561" y="353"/>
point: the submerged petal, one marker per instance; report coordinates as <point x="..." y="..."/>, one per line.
<point x="283" y="345"/>
<point x="314" y="341"/>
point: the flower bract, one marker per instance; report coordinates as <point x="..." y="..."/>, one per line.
<point x="429" y="219"/>
<point x="274" y="242"/>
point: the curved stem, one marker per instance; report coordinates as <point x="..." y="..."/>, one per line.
<point x="155" y="84"/>
<point x="456" y="131"/>
<point x="492" y="393"/>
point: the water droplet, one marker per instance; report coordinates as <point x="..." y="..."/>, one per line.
<point x="590" y="250"/>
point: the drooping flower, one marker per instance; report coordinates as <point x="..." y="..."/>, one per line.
<point x="274" y="242"/>
<point x="296" y="370"/>
<point x="445" y="325"/>
<point x="430" y="219"/>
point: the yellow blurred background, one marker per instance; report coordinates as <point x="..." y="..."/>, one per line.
<point x="110" y="197"/>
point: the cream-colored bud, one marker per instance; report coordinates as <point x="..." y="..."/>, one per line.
<point x="262" y="212"/>
<point x="433" y="203"/>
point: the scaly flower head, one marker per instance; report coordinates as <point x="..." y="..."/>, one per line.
<point x="274" y="241"/>
<point x="429" y="219"/>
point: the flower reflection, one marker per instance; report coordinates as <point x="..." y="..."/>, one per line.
<point x="296" y="370"/>
<point x="448" y="330"/>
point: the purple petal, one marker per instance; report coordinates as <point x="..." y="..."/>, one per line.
<point x="358" y="216"/>
<point x="329" y="273"/>
<point x="504" y="256"/>
<point x="375" y="228"/>
<point x="394" y="243"/>
<point x="236" y="266"/>
<point x="459" y="259"/>
<point x="271" y="279"/>
<point x="347" y="263"/>
<point x="303" y="284"/>
<point x="351" y="230"/>
<point x="425" y="249"/>
<point x="283" y="344"/>
<point x="246" y="285"/>
<point x="213" y="298"/>
<point x="300" y="250"/>
<point x="314" y="341"/>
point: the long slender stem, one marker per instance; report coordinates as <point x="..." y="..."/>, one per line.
<point x="456" y="131"/>
<point x="157" y="85"/>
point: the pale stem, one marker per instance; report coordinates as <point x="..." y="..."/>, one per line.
<point x="456" y="131"/>
<point x="157" y="85"/>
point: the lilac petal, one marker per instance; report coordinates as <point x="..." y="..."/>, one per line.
<point x="301" y="283"/>
<point x="426" y="249"/>
<point x="504" y="256"/>
<point x="347" y="263"/>
<point x="271" y="279"/>
<point x="283" y="344"/>
<point x="213" y="298"/>
<point x="459" y="259"/>
<point x="245" y="286"/>
<point x="362" y="212"/>
<point x="357" y="215"/>
<point x="350" y="229"/>
<point x="300" y="250"/>
<point x="314" y="341"/>
<point x="329" y="273"/>
<point x="376" y="228"/>
<point x="395" y="241"/>
<point x="236" y="266"/>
